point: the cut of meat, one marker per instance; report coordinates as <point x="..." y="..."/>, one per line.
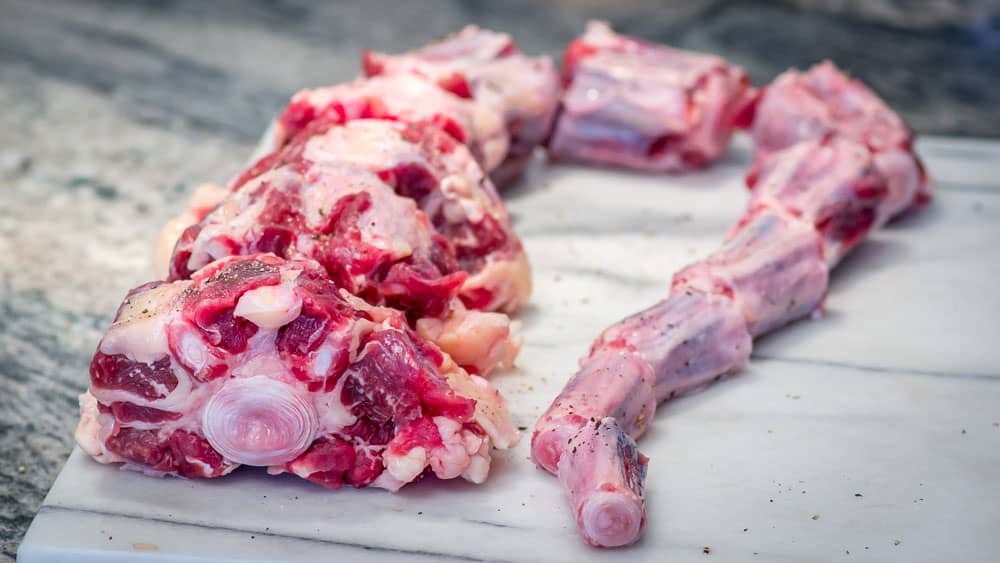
<point x="798" y="106"/>
<point x="477" y="123"/>
<point x="373" y="243"/>
<point x="831" y="182"/>
<point x="640" y="105"/>
<point x="261" y="361"/>
<point x="833" y="162"/>
<point x="424" y="164"/>
<point x="823" y="101"/>
<point x="476" y="62"/>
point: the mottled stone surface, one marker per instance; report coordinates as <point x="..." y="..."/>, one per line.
<point x="111" y="112"/>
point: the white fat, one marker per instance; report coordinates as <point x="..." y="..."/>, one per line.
<point x="179" y="400"/>
<point x="206" y="469"/>
<point x="232" y="219"/>
<point x="479" y="465"/>
<point x="406" y="467"/>
<point x="474" y="338"/>
<point x="140" y="333"/>
<point x="392" y="223"/>
<point x="333" y="414"/>
<point x="386" y="481"/>
<point x="93" y="430"/>
<point x="473" y="442"/>
<point x="322" y="360"/>
<point x="370" y="143"/>
<point x="491" y="409"/>
<point x="507" y="278"/>
<point x="450" y="459"/>
<point x="270" y="306"/>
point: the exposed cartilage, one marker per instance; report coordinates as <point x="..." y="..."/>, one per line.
<point x="639" y="105"/>
<point x="604" y="475"/>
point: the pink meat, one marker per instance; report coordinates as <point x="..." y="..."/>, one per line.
<point x="477" y="123"/>
<point x="665" y="350"/>
<point x="373" y="243"/>
<point x="811" y="203"/>
<point x="261" y="361"/>
<point x="604" y="477"/>
<point x="821" y="101"/>
<point x="772" y="268"/>
<point x="771" y="272"/>
<point x="476" y="62"/>
<point x="587" y="435"/>
<point x="639" y="105"/>
<point x="832" y="183"/>
<point x="440" y="175"/>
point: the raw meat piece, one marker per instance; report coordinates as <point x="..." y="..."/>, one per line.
<point x="677" y="345"/>
<point x="773" y="268"/>
<point x="811" y="203"/>
<point x="800" y="106"/>
<point x="475" y="60"/>
<point x="640" y="105"/>
<point x="261" y="361"/>
<point x="832" y="183"/>
<point x="477" y="123"/>
<point x="373" y="243"/>
<point x="438" y="173"/>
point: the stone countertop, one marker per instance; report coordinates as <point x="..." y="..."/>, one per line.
<point x="110" y="113"/>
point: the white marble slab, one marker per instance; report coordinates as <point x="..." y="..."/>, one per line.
<point x="893" y="396"/>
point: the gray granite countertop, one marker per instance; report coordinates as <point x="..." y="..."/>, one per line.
<point x="110" y="113"/>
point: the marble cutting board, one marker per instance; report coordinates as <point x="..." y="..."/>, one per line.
<point x="870" y="434"/>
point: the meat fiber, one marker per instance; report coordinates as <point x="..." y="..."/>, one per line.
<point x="477" y="62"/>
<point x="639" y="105"/>
<point x="823" y="101"/>
<point x="478" y="123"/>
<point x="372" y="242"/>
<point x="439" y="174"/>
<point x="261" y="361"/>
